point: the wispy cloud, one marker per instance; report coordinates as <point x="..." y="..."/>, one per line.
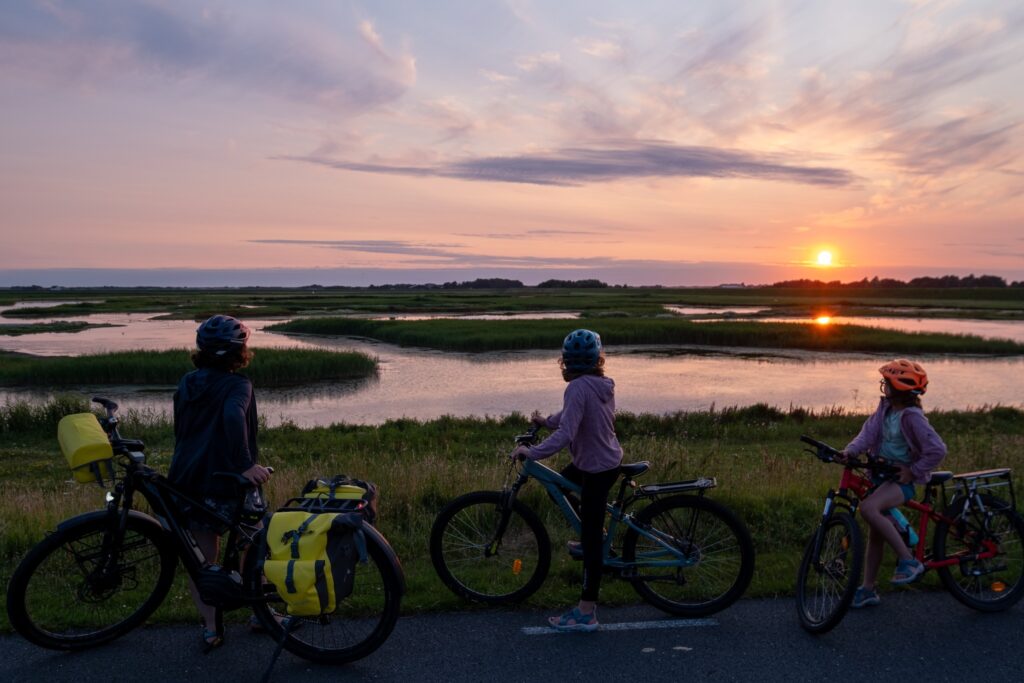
<point x="628" y="159"/>
<point x="424" y="254"/>
<point x="105" y="41"/>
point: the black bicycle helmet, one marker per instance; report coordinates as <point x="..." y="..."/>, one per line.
<point x="580" y="350"/>
<point x="221" y="333"/>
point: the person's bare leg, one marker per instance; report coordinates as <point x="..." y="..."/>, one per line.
<point x="209" y="544"/>
<point x="888" y="495"/>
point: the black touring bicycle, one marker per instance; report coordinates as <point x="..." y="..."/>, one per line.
<point x="101" y="574"/>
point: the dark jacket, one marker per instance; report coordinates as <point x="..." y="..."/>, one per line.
<point x="214" y="431"/>
<point x="926" y="448"/>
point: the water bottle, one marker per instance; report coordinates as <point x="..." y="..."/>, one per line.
<point x="910" y="537"/>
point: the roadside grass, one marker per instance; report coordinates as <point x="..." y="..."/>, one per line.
<point x="763" y="475"/>
<point x="269" y="368"/>
<point x="495" y="335"/>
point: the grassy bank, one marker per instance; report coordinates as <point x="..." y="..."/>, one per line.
<point x="491" y="335"/>
<point x="40" y="328"/>
<point x="269" y="368"/>
<point x="263" y="302"/>
<point x="762" y="471"/>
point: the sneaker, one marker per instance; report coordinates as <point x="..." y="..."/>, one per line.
<point x="907" y="571"/>
<point x="574" y="620"/>
<point x="575" y="549"/>
<point x="865" y="597"/>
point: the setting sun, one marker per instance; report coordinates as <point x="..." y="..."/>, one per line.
<point x="824" y="258"/>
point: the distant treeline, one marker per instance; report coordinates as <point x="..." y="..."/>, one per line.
<point x="499" y="283"/>
<point x="946" y="281"/>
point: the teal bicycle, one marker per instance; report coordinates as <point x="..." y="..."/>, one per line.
<point x="681" y="551"/>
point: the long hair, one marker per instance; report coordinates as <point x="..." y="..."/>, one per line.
<point x="233" y="360"/>
<point x="570" y="375"/>
<point x="903" y="399"/>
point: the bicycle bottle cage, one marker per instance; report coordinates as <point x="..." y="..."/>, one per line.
<point x="996" y="482"/>
<point x="701" y="484"/>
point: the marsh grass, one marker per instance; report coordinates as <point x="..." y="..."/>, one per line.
<point x="263" y="302"/>
<point x="754" y="452"/>
<point x="491" y="335"/>
<point x="269" y="368"/>
<point x="69" y="327"/>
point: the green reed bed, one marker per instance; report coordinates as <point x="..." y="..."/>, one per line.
<point x="269" y="368"/>
<point x="40" y="328"/>
<point x="754" y="452"/>
<point x="496" y="335"/>
<point x="265" y="302"/>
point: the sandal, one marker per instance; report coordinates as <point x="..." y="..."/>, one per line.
<point x="211" y="640"/>
<point x="907" y="571"/>
<point x="574" y="620"/>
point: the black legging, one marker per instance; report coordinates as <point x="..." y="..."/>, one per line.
<point x="593" y="498"/>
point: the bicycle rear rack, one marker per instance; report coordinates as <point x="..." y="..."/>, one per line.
<point x="701" y="484"/>
<point x="996" y="482"/>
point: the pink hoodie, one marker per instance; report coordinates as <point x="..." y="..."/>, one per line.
<point x="586" y="424"/>
<point x="926" y="448"/>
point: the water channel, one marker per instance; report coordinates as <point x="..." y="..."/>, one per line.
<point x="425" y="384"/>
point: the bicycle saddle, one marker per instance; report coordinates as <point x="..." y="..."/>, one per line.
<point x="635" y="468"/>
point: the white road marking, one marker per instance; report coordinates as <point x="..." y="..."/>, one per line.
<point x="627" y="626"/>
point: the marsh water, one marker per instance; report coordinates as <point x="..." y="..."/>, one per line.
<point x="424" y="384"/>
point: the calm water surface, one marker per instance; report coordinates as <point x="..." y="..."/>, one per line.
<point x="425" y="384"/>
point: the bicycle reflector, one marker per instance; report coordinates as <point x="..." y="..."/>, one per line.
<point x="517" y="566"/>
<point x="997" y="586"/>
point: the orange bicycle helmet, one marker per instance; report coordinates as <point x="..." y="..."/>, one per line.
<point x="905" y="375"/>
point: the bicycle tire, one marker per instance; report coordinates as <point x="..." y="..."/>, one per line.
<point x="719" y="542"/>
<point x="461" y="535"/>
<point x="991" y="585"/>
<point x="360" y="623"/>
<point x="832" y="587"/>
<point x="56" y="600"/>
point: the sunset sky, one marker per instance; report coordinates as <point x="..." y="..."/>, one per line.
<point x="639" y="142"/>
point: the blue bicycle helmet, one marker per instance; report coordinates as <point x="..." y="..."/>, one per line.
<point x="581" y="350"/>
<point x="221" y="333"/>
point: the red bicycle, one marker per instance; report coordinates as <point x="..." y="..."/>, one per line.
<point x="977" y="547"/>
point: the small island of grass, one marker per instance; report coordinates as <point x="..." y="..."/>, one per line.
<point x="500" y="335"/>
<point x="269" y="368"/>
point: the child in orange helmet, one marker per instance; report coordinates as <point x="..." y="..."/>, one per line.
<point x="897" y="432"/>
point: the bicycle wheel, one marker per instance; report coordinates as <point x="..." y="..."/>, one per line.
<point x="989" y="585"/>
<point x="70" y="593"/>
<point x="476" y="565"/>
<point x="359" y="624"/>
<point x="827" y="580"/>
<point x="719" y="552"/>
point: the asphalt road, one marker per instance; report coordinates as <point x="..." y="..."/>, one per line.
<point x="912" y="635"/>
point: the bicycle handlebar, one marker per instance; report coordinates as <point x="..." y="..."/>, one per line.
<point x="529" y="437"/>
<point x="822" y="451"/>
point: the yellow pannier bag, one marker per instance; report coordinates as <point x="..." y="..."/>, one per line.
<point x="86" y="447"/>
<point x="312" y="558"/>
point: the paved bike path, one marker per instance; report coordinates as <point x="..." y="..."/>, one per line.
<point x="911" y="635"/>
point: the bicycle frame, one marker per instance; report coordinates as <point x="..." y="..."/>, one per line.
<point x="854" y="487"/>
<point x="558" y="488"/>
<point x="159" y="494"/>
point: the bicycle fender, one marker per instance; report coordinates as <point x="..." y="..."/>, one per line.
<point x="378" y="537"/>
<point x="99" y="514"/>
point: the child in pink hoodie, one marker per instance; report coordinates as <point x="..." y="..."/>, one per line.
<point x="899" y="433"/>
<point x="586" y="424"/>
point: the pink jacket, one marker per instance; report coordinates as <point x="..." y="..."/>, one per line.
<point x="926" y="448"/>
<point x="586" y="424"/>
